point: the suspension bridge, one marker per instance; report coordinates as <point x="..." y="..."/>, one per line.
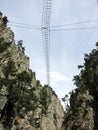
<point x="47" y="7"/>
<point x="46" y="29"/>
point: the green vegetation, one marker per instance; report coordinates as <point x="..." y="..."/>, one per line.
<point x="19" y="96"/>
<point x="44" y="99"/>
<point x="88" y="77"/>
<point x="20" y="46"/>
<point x="86" y="80"/>
<point x="25" y="77"/>
<point x="0" y="13"/>
<point x="9" y="69"/>
<point x="5" y="20"/>
<point x="21" y="100"/>
<point x="3" y="45"/>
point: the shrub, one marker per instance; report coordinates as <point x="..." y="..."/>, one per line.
<point x="3" y="45"/>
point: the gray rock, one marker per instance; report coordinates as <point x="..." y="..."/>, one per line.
<point x="3" y="101"/>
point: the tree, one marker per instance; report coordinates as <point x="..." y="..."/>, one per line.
<point x="66" y="102"/>
<point x="5" y="20"/>
<point x="97" y="45"/>
<point x="0" y="13"/>
<point x="10" y="69"/>
<point x="20" y="46"/>
<point x="19" y="96"/>
<point x="3" y="45"/>
<point x="44" y="100"/>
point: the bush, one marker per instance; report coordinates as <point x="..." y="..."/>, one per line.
<point x="3" y="45"/>
<point x="24" y="77"/>
<point x="44" y="100"/>
<point x="5" y="20"/>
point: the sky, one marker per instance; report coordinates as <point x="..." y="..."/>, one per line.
<point x="67" y="47"/>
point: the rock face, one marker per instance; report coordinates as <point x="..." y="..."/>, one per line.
<point x="82" y="118"/>
<point x="35" y="111"/>
<point x="54" y="121"/>
<point x="83" y="110"/>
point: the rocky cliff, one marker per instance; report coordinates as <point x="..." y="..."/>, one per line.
<point x="24" y="103"/>
<point x="82" y="113"/>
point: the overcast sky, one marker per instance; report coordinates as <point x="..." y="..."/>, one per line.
<point x="67" y="47"/>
